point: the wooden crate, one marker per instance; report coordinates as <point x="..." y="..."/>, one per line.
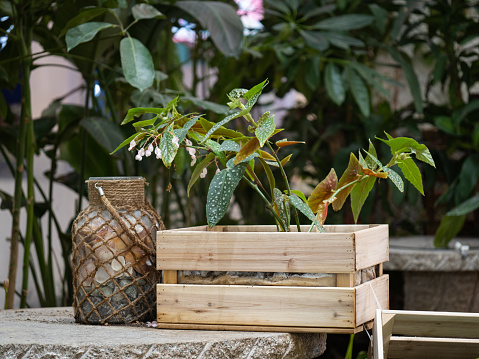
<point x="420" y="334"/>
<point x="343" y="250"/>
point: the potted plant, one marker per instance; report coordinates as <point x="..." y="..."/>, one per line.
<point x="344" y="254"/>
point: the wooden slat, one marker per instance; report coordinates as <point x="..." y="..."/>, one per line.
<point x="378" y="342"/>
<point x="255" y="328"/>
<point x="255" y="252"/>
<point x="387" y="330"/>
<point x="372" y="246"/>
<point x="366" y="304"/>
<point x="436" y="324"/>
<point x="170" y="276"/>
<point x="346" y="279"/>
<point x="437" y="348"/>
<point x="256" y="305"/>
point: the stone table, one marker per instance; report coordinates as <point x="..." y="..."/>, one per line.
<point x="52" y="333"/>
<point x="436" y="279"/>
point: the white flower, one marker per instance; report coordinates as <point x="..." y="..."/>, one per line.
<point x="193" y="160"/>
<point x="188" y="142"/>
<point x="138" y="157"/>
<point x="149" y="150"/>
<point x="141" y="152"/>
<point x="191" y="151"/>
<point x="132" y="145"/>
<point x="175" y="141"/>
<point x="204" y="173"/>
<point x="217" y="171"/>
<point x="158" y="152"/>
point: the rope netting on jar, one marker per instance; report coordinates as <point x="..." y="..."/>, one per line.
<point x="114" y="256"/>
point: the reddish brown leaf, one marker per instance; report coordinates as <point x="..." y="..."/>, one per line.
<point x="248" y="149"/>
<point x="286" y="160"/>
<point x="267" y="156"/>
<point x="323" y="191"/>
<point x="350" y="174"/>
<point x="287" y="143"/>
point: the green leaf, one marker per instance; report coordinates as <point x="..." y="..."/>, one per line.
<point x="468" y="178"/>
<point x="445" y="124"/>
<point x="334" y="84"/>
<point x="301" y="206"/>
<point x="269" y="175"/>
<point x="83" y="17"/>
<point x="135" y="112"/>
<point x="340" y="40"/>
<point x="449" y="227"/>
<point x="137" y="63"/>
<point x="84" y="32"/>
<point x="466" y="207"/>
<point x="220" y="191"/>
<point x="372" y="164"/>
<point x="359" y="194"/>
<point x="145" y="11"/>
<point x="256" y="90"/>
<point x="380" y="17"/>
<point x="411" y="78"/>
<point x="315" y="40"/>
<point x="125" y="142"/>
<point x="206" y="105"/>
<point x="412" y="173"/>
<point x="198" y="169"/>
<point x="395" y="178"/>
<point x="360" y="92"/>
<point x="299" y="194"/>
<point x="344" y="22"/>
<point x="167" y="147"/>
<point x="217" y="125"/>
<point x="369" y="75"/>
<point x="230" y="146"/>
<point x="105" y="132"/>
<point x="145" y="123"/>
<point x="222" y="22"/>
<point x="181" y="132"/>
<point x="406" y="144"/>
<point x="349" y="175"/>
<point x="281" y="206"/>
<point x="265" y="130"/>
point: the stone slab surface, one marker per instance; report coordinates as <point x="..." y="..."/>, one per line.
<point x="418" y="254"/>
<point x="52" y="333"/>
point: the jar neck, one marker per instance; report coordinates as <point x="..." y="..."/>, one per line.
<point x="120" y="192"/>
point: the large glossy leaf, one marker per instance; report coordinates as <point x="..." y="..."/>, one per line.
<point x="344" y="22"/>
<point x="315" y="40"/>
<point x="334" y="84"/>
<point x="449" y="227"/>
<point x="412" y="173"/>
<point x="411" y="78"/>
<point x="83" y="17"/>
<point x="137" y="63"/>
<point x="105" y="132"/>
<point x="222" y="22"/>
<point x="84" y="32"/>
<point x="466" y="207"/>
<point x="359" y="194"/>
<point x="350" y="175"/>
<point x="220" y="191"/>
<point x="145" y="11"/>
<point x="360" y="92"/>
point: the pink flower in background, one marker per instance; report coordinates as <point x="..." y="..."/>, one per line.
<point x="251" y="12"/>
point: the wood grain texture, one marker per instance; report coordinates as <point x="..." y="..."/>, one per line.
<point x="372" y="246"/>
<point x="256" y="328"/>
<point x="170" y="276"/>
<point x="437" y="348"/>
<point x="256" y="305"/>
<point x="255" y="251"/>
<point x="366" y="304"/>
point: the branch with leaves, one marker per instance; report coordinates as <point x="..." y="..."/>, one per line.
<point x="234" y="154"/>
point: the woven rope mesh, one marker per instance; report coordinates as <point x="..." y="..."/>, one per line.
<point x="114" y="274"/>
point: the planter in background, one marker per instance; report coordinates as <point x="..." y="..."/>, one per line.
<point x="114" y="272"/>
<point x="343" y="255"/>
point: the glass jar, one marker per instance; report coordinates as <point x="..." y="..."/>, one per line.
<point x="114" y="260"/>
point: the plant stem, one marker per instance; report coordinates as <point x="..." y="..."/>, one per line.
<point x="268" y="204"/>
<point x="286" y="183"/>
